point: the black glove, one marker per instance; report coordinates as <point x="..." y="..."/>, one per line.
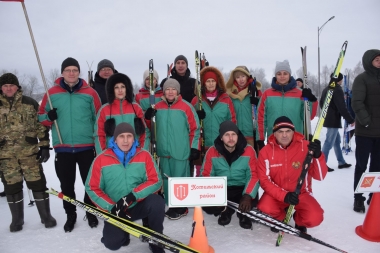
<point x="194" y="154"/>
<point x="260" y="143"/>
<point x="121" y="207"/>
<point x="306" y="93"/>
<point x="245" y="204"/>
<point x="255" y="100"/>
<point x="149" y="113"/>
<point x="201" y="114"/>
<point x="43" y="154"/>
<point x="315" y="146"/>
<point x="291" y="198"/>
<point x="52" y="114"/>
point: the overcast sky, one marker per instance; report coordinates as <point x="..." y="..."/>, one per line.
<point x="230" y="33"/>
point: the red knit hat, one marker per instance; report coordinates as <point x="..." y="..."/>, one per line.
<point x="208" y="75"/>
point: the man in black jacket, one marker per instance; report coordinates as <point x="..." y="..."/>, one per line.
<point x="105" y="69"/>
<point x="181" y="73"/>
<point x="336" y="110"/>
<point x="366" y="105"/>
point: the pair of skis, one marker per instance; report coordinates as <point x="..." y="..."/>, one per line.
<point x="258" y="216"/>
<point x="321" y="120"/>
<point x="199" y="95"/>
<point x="134" y="229"/>
<point x="346" y="134"/>
<point x="152" y="101"/>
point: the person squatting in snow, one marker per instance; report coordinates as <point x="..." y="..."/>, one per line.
<point x="279" y="167"/>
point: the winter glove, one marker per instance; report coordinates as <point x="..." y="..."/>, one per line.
<point x="315" y="146"/>
<point x="260" y="143"/>
<point x="201" y="114"/>
<point x="43" y="154"/>
<point x="245" y="204"/>
<point x="52" y="114"/>
<point x="109" y="126"/>
<point x="121" y="207"/>
<point x="139" y="126"/>
<point x="149" y="113"/>
<point x="306" y="93"/>
<point x="255" y="100"/>
<point x="291" y="198"/>
<point x="194" y="154"/>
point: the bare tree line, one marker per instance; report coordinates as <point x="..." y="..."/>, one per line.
<point x="32" y="86"/>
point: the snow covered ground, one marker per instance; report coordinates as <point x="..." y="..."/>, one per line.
<point x="335" y="194"/>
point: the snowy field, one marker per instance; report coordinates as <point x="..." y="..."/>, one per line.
<point x="335" y="194"/>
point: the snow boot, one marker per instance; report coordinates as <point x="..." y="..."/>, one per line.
<point x="71" y="220"/>
<point x="42" y="202"/>
<point x="359" y="204"/>
<point x="274" y="230"/>
<point x="301" y="228"/>
<point x="91" y="219"/>
<point x="244" y="221"/>
<point x="145" y="222"/>
<point x="16" y="205"/>
<point x="225" y="217"/>
<point x="176" y="213"/>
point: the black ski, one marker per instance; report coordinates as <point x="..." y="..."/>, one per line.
<point x="199" y="94"/>
<point x="258" y="216"/>
<point x="152" y="100"/>
<point x="143" y="233"/>
<point x="306" y="115"/>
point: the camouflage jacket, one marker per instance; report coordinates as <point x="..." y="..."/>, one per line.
<point x="19" y="127"/>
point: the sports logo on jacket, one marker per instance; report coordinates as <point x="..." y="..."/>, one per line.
<point x="181" y="191"/>
<point x="296" y="165"/>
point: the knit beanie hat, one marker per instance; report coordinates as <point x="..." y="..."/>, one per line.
<point x="123" y="128"/>
<point x="181" y="57"/>
<point x="226" y="126"/>
<point x="299" y="79"/>
<point x="172" y="83"/>
<point x="69" y="62"/>
<point x="9" y="78"/>
<point x="283" y="122"/>
<point x="208" y="75"/>
<point x="340" y="77"/>
<point x="283" y="66"/>
<point x="105" y="64"/>
<point x="146" y="75"/>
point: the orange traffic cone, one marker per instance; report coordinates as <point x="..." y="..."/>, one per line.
<point x="371" y="226"/>
<point x="198" y="239"/>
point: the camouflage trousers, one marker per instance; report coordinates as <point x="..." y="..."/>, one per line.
<point x="14" y="170"/>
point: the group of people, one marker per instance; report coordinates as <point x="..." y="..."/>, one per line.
<point x="106" y="129"/>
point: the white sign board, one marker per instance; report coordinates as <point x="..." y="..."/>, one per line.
<point x="369" y="182"/>
<point x="197" y="191"/>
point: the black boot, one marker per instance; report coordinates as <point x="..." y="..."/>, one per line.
<point x="92" y="220"/>
<point x="225" y="217"/>
<point x="42" y="202"/>
<point x="16" y="205"/>
<point x="274" y="230"/>
<point x="71" y="219"/>
<point x="301" y="228"/>
<point x="145" y="222"/>
<point x="155" y="249"/>
<point x="359" y="204"/>
<point x="244" y="221"/>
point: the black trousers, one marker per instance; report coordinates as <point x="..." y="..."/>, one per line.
<point x="366" y="147"/>
<point x="152" y="207"/>
<point x="65" y="167"/>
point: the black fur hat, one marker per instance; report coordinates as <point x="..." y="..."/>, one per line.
<point x="115" y="79"/>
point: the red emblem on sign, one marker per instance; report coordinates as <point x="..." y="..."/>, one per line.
<point x="181" y="191"/>
<point x="367" y="182"/>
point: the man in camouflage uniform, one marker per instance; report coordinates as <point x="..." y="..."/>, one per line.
<point x="20" y="152"/>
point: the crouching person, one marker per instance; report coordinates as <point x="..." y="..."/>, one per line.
<point x="279" y="167"/>
<point x="24" y="145"/>
<point x="123" y="180"/>
<point x="233" y="158"/>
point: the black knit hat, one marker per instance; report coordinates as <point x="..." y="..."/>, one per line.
<point x="226" y="126"/>
<point x="9" y="78"/>
<point x="340" y="77"/>
<point x="283" y="122"/>
<point x="123" y="128"/>
<point x="181" y="57"/>
<point x="299" y="79"/>
<point x="69" y="62"/>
